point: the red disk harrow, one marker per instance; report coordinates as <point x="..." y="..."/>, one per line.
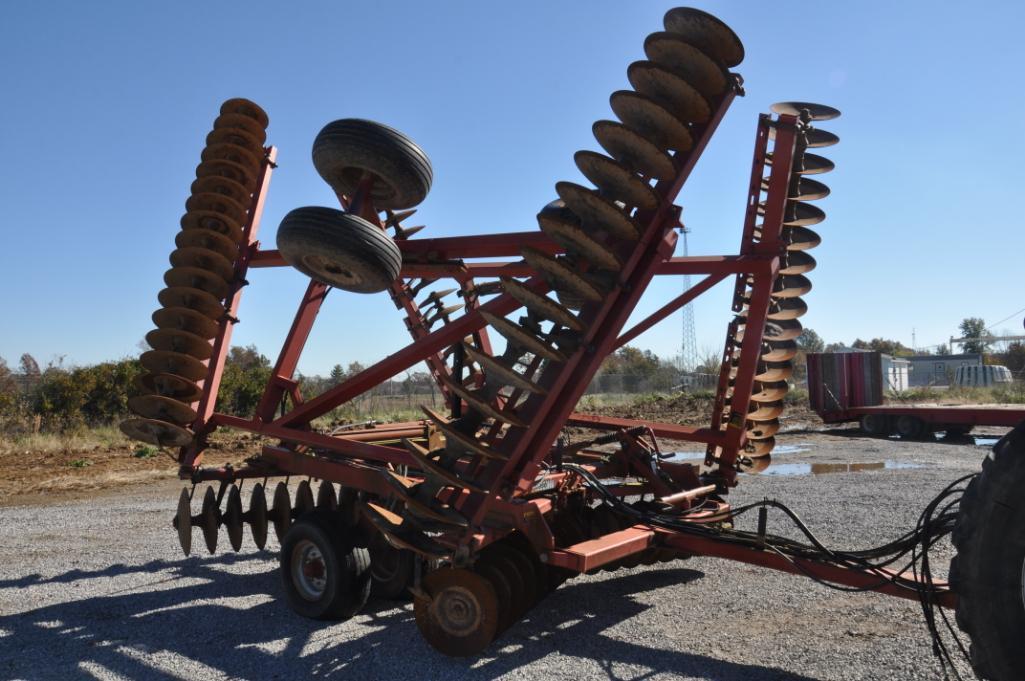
<point x="480" y="509"/>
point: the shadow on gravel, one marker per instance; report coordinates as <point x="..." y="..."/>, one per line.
<point x="201" y="620"/>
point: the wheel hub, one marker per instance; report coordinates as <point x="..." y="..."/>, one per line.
<point x="457" y="611"/>
<point x="309" y="570"/>
<point x="322" y="265"/>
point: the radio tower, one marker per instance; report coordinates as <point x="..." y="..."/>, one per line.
<point x="688" y="347"/>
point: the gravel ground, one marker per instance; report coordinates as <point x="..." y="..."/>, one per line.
<point x="98" y="589"/>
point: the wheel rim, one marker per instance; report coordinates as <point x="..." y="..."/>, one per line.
<point x="330" y="270"/>
<point x="457" y="611"/>
<point x="309" y="570"/>
<point x="385" y="559"/>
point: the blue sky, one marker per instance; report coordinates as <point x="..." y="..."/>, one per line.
<point x="106" y="107"/>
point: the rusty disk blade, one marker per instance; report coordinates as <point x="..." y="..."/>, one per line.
<point x="233" y="171"/>
<point x="185" y="319"/>
<point x="791" y="286"/>
<point x="813" y="164"/>
<point x="754" y="464"/>
<point x="651" y="120"/>
<point x="169" y="385"/>
<point x="797" y="262"/>
<point x="203" y="259"/>
<point x="499" y="557"/>
<point x="814" y="138"/>
<point x="192" y="298"/>
<point x="541" y="304"/>
<point x="570" y="300"/>
<point x="210" y="519"/>
<point x="215" y="222"/>
<point x="762" y="429"/>
<point x="232" y="153"/>
<point x="764" y="411"/>
<point x="757" y="449"/>
<point x="193" y="277"/>
<point x="210" y="240"/>
<point x="460" y="618"/>
<point x="674" y="53"/>
<point x="162" y="408"/>
<point x="159" y="433"/>
<point x="615" y="181"/>
<point x="816" y="112"/>
<point x="500" y="372"/>
<point x="176" y="340"/>
<point x="523" y="338"/>
<point x="774" y="371"/>
<point x="217" y="203"/>
<point x="798" y="213"/>
<point x="244" y="107"/>
<point x="433" y="510"/>
<point x="232" y="518"/>
<point x="669" y="90"/>
<point x="433" y="469"/>
<point x="578" y="242"/>
<point x="234" y="120"/>
<point x="560" y="275"/>
<point x="454" y="435"/>
<point x="783" y="329"/>
<point x="237" y="136"/>
<point x="802" y="188"/>
<point x="304" y="502"/>
<point x="183" y="522"/>
<point x="595" y="212"/>
<point x="707" y="33"/>
<point x="400" y="534"/>
<point x="770" y="392"/>
<point x="484" y="405"/>
<point x="327" y="500"/>
<point x="161" y="362"/>
<point x="224" y="186"/>
<point x="633" y="150"/>
<point x="257" y="516"/>
<point x="281" y="511"/>
<point x="787" y="308"/>
<point x="779" y="351"/>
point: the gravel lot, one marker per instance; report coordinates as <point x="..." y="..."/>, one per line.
<point x="98" y="589"/>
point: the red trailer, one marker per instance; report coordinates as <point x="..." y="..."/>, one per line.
<point x="848" y="386"/>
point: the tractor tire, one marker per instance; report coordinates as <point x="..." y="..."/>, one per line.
<point x="391" y="569"/>
<point x="988" y="570"/>
<point x="911" y="427"/>
<point x="879" y="425"/>
<point x="347" y="149"/>
<point x="325" y="576"/>
<point x="339" y="249"/>
<point x="956" y="432"/>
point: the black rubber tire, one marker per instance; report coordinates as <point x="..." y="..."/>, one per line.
<point x="391" y="569"/>
<point x="346" y="569"/>
<point x="345" y="149"/>
<point x="987" y="571"/>
<point x="911" y="427"/>
<point x="339" y="249"/>
<point x="956" y="431"/>
<point x="876" y="424"/>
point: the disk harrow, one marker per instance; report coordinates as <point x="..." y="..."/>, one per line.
<point x="481" y="508"/>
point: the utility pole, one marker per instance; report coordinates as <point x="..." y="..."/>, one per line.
<point x="688" y="347"/>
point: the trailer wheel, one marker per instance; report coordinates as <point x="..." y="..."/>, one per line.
<point x="876" y="424"/>
<point x="347" y="149"/>
<point x="391" y="569"/>
<point x="339" y="249"/>
<point x="911" y="427"/>
<point x="325" y="576"/>
<point x="988" y="571"/>
<point x="955" y="432"/>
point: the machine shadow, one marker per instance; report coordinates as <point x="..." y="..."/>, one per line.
<point x="195" y="623"/>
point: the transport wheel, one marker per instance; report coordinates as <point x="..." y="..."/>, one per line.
<point x="460" y="615"/>
<point x="876" y="424"/>
<point x="324" y="575"/>
<point x="988" y="571"/>
<point x="339" y="249"/>
<point x="391" y="569"/>
<point x="954" y="432"/>
<point x="910" y="427"/>
<point x="347" y="150"/>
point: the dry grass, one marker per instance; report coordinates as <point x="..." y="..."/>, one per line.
<point x="84" y="440"/>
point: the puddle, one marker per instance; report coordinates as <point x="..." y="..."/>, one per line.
<point x="789" y="469"/>
<point x="986" y="441"/>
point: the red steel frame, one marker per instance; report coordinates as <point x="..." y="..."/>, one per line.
<point x="347" y="458"/>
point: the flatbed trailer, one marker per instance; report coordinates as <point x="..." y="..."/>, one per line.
<point x="844" y="387"/>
